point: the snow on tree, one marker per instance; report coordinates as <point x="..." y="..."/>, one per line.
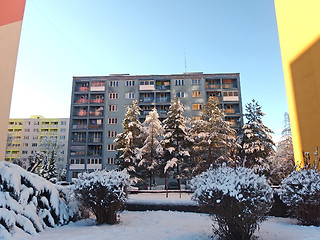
<point x="103" y="193"/>
<point x="51" y="165"/>
<point x="34" y="160"/>
<point x="257" y="144"/>
<point x="215" y="140"/>
<point x="301" y="192"/>
<point x="176" y="141"/>
<point x="236" y="198"/>
<point x="128" y="140"/>
<point x="149" y="155"/>
<point x="29" y="203"/>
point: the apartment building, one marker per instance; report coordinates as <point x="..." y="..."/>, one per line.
<point x="25" y="135"/>
<point x="99" y="103"/>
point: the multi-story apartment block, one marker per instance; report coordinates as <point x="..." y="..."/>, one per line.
<point x="25" y="135"/>
<point x="98" y="106"/>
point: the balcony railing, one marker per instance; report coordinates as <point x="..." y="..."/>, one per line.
<point x="229" y="85"/>
<point x="95" y="153"/>
<point x="78" y="140"/>
<point x="96" y="100"/>
<point x="230" y="111"/>
<point x="95" y="126"/>
<point x="162" y="87"/>
<point x="146" y="99"/>
<point x="82" y="100"/>
<point x="79" y="126"/>
<point x="162" y="112"/>
<point x="218" y="99"/>
<point x="83" y="89"/>
<point x="163" y="99"/>
<point x="95" y="140"/>
<point x="213" y="86"/>
<point x="78" y="153"/>
<point x="145" y="112"/>
<point x="81" y="113"/>
<point x="96" y="113"/>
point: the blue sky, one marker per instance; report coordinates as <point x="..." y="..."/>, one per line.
<point x="61" y="39"/>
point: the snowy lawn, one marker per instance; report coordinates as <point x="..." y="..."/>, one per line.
<point x="169" y="225"/>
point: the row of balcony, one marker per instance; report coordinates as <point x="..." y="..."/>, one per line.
<point x="85" y="101"/>
<point x="83" y="140"/>
<point x="84" y="113"/>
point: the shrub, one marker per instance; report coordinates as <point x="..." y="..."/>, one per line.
<point x="301" y="192"/>
<point x="236" y="198"/>
<point x="103" y="193"/>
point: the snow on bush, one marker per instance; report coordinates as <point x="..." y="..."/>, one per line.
<point x="301" y="192"/>
<point x="103" y="193"/>
<point x="29" y="202"/>
<point x="237" y="198"/>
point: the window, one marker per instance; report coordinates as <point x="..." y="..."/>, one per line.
<point x="129" y="83"/>
<point x="147" y="82"/>
<point x="112" y="134"/>
<point x="36" y="130"/>
<point x="28" y="122"/>
<point x="196" y="106"/>
<point x="112" y="120"/>
<point x="24" y="144"/>
<point x="180" y="94"/>
<point x="111" y="147"/>
<point x="230" y="94"/>
<point x="34" y="144"/>
<point x="63" y="130"/>
<point x="24" y="152"/>
<point x="94" y="161"/>
<point x="113" y="83"/>
<point x="179" y="82"/>
<point x="63" y="123"/>
<point x="27" y="130"/>
<point x="195" y="81"/>
<point x="35" y="137"/>
<point x="196" y="118"/>
<point x="110" y="161"/>
<point x="196" y="93"/>
<point x="36" y="123"/>
<point x="62" y="137"/>
<point x="26" y="137"/>
<point x="129" y="95"/>
<point x="113" y="108"/>
<point x="113" y="95"/>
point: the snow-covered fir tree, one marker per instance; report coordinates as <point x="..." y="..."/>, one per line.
<point x="257" y="144"/>
<point x="150" y="154"/>
<point x="215" y="140"/>
<point x="52" y="165"/>
<point x="33" y="161"/>
<point x="176" y="141"/>
<point x="128" y="141"/>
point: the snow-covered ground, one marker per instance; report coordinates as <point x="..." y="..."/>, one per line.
<point x="168" y="225"/>
<point x="160" y="198"/>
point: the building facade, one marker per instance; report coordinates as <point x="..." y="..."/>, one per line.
<point x="25" y="135"/>
<point x="98" y="106"/>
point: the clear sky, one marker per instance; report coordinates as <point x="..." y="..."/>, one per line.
<point x="65" y="38"/>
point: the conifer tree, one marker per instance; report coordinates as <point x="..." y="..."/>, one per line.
<point x="149" y="155"/>
<point x="215" y="140"/>
<point x="128" y="141"/>
<point x="257" y="144"/>
<point x="177" y="141"/>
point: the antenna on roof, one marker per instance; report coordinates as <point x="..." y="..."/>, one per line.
<point x="185" y="61"/>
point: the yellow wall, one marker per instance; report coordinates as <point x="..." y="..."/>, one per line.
<point x="299" y="36"/>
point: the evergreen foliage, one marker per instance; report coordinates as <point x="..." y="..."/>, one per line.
<point x="128" y="141"/>
<point x="215" y="140"/>
<point x="149" y="155"/>
<point x="257" y="144"/>
<point x="177" y="141"/>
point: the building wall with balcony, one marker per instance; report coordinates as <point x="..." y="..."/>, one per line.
<point x="96" y="114"/>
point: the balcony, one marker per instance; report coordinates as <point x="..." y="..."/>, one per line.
<point x="79" y="126"/>
<point x="162" y="99"/>
<point x="81" y="101"/>
<point x="83" y="89"/>
<point x="162" y="112"/>
<point x="146" y="99"/>
<point x="97" y="100"/>
<point x="77" y="153"/>
<point x="95" y="152"/>
<point x="97" y="88"/>
<point x="95" y="140"/>
<point x="96" y="113"/>
<point x="95" y="126"/>
<point x="163" y="85"/>
<point x="213" y="86"/>
<point x="145" y="112"/>
<point x="78" y="140"/>
<point x="81" y="113"/>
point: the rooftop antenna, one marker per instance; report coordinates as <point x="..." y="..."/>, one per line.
<point x="185" y="61"/>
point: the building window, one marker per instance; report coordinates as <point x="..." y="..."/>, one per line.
<point x="179" y="82"/>
<point x="112" y="120"/>
<point x="112" y="134"/>
<point x="110" y="161"/>
<point x="113" y="108"/>
<point x="196" y="106"/>
<point x="196" y="118"/>
<point x="129" y="95"/>
<point x="111" y="147"/>
<point x="196" y="93"/>
<point x="63" y="123"/>
<point x="230" y="94"/>
<point x="27" y="130"/>
<point x="147" y="82"/>
<point x="24" y="152"/>
<point x="36" y="130"/>
<point x="180" y="94"/>
<point x="24" y="144"/>
<point x="26" y="137"/>
<point x="62" y="137"/>
<point x="195" y="81"/>
<point x="36" y="123"/>
<point x="113" y="83"/>
<point x="35" y="137"/>
<point x="34" y="144"/>
<point x="129" y="83"/>
<point x="113" y="95"/>
<point x="63" y="130"/>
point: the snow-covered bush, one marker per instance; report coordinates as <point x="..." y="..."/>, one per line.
<point x="237" y="198"/>
<point x="301" y="192"/>
<point x="28" y="202"/>
<point x="103" y="193"/>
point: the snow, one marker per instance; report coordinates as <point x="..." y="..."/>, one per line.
<point x="158" y="225"/>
